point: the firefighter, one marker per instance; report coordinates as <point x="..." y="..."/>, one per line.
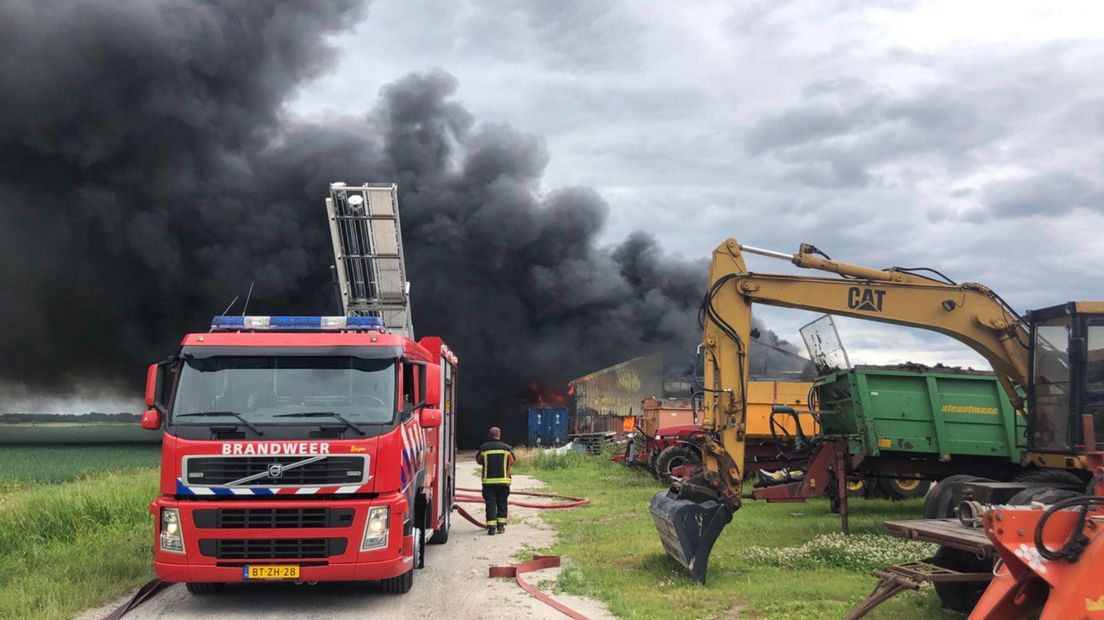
<point x="497" y="458"/>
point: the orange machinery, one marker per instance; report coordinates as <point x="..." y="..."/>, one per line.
<point x="762" y="397"/>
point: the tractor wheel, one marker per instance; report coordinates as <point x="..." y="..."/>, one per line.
<point x="1043" y="495"/>
<point x="903" y="488"/>
<point x="960" y="596"/>
<point x="674" y="456"/>
<point x="938" y="505"/>
<point x="203" y="589"/>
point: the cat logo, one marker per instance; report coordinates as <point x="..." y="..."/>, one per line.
<point x="357" y="449"/>
<point x="1097" y="605"/>
<point x="866" y="299"/>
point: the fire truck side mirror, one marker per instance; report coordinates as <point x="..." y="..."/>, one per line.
<point x="429" y="418"/>
<point x="432" y="386"/>
<point x="158" y="379"/>
<point x="153" y="373"/>
<point x="151" y="419"/>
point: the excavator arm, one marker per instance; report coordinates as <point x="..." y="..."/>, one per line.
<point x="692" y="514"/>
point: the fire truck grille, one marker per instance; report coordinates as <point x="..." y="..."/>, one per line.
<point x="331" y="470"/>
<point x="265" y="518"/>
<point x="271" y="548"/>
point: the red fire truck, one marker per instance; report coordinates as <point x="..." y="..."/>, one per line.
<point x="302" y="448"/>
<point x="318" y="448"/>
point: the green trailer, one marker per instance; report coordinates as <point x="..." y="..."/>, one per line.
<point x="918" y="412"/>
<point x="896" y="428"/>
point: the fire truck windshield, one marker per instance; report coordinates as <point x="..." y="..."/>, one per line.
<point x="265" y="389"/>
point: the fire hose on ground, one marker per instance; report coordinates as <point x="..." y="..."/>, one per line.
<point x="462" y="496"/>
<point x="539" y="561"/>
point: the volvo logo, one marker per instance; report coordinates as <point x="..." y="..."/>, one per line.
<point x="275" y="470"/>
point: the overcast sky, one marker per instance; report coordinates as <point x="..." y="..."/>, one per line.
<point x="962" y="136"/>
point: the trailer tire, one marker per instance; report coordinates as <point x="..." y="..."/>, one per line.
<point x="398" y="585"/>
<point x="1043" y="495"/>
<point x="898" y="489"/>
<point x="938" y="505"/>
<point x="203" y="588"/>
<point x="960" y="596"/>
<point x="1056" y="476"/>
<point x="859" y="487"/>
<point x="674" y="456"/>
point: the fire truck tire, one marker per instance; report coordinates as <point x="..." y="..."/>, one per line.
<point x="400" y="584"/>
<point x="440" y="536"/>
<point x="903" y="488"/>
<point x="419" y="547"/>
<point x="938" y="505"/>
<point x="203" y="589"/>
<point x="960" y="596"/>
<point x="673" y="456"/>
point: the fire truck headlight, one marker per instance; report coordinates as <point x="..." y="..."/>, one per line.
<point x="171" y="537"/>
<point x="376" y="529"/>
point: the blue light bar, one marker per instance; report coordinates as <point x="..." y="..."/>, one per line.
<point x="295" y="323"/>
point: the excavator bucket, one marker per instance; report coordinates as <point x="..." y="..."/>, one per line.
<point x="688" y="529"/>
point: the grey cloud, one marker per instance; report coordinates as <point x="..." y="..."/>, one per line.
<point x="841" y="144"/>
<point x="1049" y="194"/>
<point x="801" y="125"/>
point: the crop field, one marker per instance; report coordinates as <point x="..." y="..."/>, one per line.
<point x="772" y="561"/>
<point x="74" y="526"/>
<point x="25" y="466"/>
<point x="76" y="433"/>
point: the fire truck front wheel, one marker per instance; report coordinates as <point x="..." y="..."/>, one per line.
<point x="400" y="584"/>
<point x="203" y="589"/>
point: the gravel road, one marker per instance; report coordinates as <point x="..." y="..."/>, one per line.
<point x="453" y="585"/>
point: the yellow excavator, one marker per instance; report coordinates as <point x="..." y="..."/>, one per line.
<point x="1049" y="362"/>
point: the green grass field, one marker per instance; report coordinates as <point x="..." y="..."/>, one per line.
<point x="773" y="561"/>
<point x="74" y="526"/>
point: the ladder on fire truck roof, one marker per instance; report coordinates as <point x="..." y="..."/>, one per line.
<point x="368" y="254"/>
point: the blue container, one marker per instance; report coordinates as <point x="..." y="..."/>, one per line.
<point x="547" y="426"/>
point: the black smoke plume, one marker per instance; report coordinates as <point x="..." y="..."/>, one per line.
<point x="149" y="172"/>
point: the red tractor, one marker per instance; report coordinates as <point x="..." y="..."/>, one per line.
<point x="666" y="437"/>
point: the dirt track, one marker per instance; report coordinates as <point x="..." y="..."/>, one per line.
<point x="453" y="585"/>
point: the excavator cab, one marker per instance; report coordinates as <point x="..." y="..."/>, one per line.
<point x="1066" y="394"/>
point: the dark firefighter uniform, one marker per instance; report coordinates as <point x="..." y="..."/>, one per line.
<point x="496" y="458"/>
